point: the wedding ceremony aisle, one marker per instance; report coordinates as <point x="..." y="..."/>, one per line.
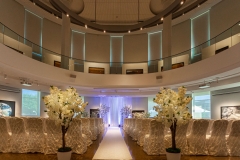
<point x="113" y="146"/>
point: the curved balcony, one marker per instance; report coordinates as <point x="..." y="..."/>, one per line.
<point x="223" y="41"/>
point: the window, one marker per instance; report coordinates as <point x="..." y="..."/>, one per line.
<point x="30" y="103"/>
<point x="201" y="105"/>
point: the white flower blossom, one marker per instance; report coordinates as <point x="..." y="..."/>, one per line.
<point x="63" y="105"/>
<point x="172" y="106"/>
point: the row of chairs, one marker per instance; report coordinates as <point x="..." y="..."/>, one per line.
<point x="23" y="135"/>
<point x="198" y="137"/>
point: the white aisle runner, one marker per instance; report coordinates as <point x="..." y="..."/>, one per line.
<point x="113" y="146"/>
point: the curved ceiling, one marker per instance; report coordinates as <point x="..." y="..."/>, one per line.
<point x="118" y="16"/>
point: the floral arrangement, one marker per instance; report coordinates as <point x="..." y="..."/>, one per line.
<point x="61" y="106"/>
<point x="172" y="111"/>
<point x="103" y="110"/>
<point x="126" y="111"/>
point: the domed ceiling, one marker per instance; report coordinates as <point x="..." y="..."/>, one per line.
<point x="118" y="12"/>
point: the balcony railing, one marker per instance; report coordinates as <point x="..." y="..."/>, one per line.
<point x="214" y="46"/>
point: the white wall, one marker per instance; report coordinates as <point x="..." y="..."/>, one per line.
<point x="223" y="16"/>
<point x="140" y="103"/>
<point x="93" y="103"/>
<point x="12" y="15"/>
<point x="135" y="48"/>
<point x="217" y="101"/>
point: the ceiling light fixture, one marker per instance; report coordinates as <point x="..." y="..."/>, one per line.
<point x="67" y="15"/>
<point x="85" y="26"/>
<point x="129" y="31"/>
<point x="141" y="28"/>
<point x="57" y="17"/>
<point x="203" y="86"/>
<point x="182" y="2"/>
<point x="162" y="19"/>
<point x="26" y="83"/>
<point x="198" y="5"/>
<point x="104" y="31"/>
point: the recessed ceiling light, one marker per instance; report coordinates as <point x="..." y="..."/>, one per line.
<point x="67" y="15"/>
<point x="85" y="26"/>
<point x="57" y="17"/>
<point x="129" y="31"/>
<point x="104" y="31"/>
<point x="198" y="5"/>
<point x="141" y="28"/>
<point x="162" y="19"/>
<point x="182" y="2"/>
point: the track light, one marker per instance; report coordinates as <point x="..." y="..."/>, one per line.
<point x="205" y="85"/>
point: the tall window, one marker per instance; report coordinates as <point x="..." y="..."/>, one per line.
<point x="201" y="105"/>
<point x="30" y="103"/>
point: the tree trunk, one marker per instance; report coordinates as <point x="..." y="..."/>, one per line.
<point x="63" y="137"/>
<point x="173" y="131"/>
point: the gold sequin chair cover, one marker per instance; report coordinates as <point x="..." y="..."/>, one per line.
<point x="154" y="141"/>
<point x="93" y="129"/>
<point x="97" y="125"/>
<point x="36" y="135"/>
<point x="53" y="137"/>
<point x="217" y="145"/>
<point x="197" y="141"/>
<point x="132" y="126"/>
<point x="233" y="141"/>
<point x="74" y="137"/>
<point x="4" y="136"/>
<point x="86" y="130"/>
<point x="137" y="129"/>
<point x="19" y="137"/>
<point x="144" y="130"/>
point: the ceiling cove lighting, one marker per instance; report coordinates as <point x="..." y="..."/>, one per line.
<point x="203" y="86"/>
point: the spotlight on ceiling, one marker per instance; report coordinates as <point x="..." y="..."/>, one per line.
<point x="104" y="31"/>
<point x="67" y="15"/>
<point x="205" y="85"/>
<point x="162" y="19"/>
<point x="26" y="83"/>
<point x="182" y="2"/>
<point x="129" y="31"/>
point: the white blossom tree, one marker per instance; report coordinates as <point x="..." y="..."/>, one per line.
<point x="61" y="107"/>
<point x="172" y="110"/>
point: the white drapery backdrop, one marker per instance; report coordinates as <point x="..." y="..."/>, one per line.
<point x="114" y="117"/>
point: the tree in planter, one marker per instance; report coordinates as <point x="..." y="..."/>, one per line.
<point x="172" y="111"/>
<point x="61" y="106"/>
